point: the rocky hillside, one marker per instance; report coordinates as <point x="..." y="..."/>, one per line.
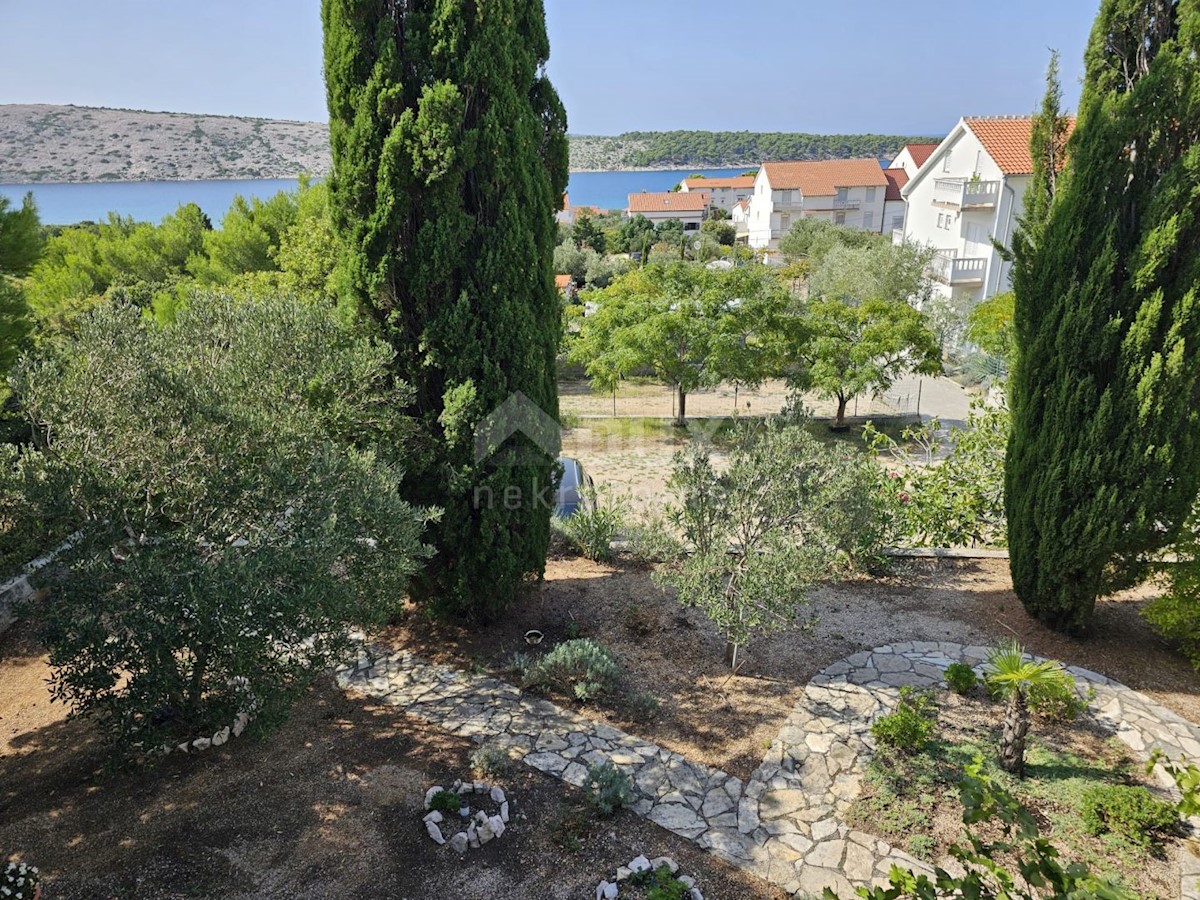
<point x="78" y="143"/>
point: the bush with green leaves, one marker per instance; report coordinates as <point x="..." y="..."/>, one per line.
<point x="1176" y="614"/>
<point x="448" y="802"/>
<point x="1130" y="812"/>
<point x="784" y="514"/>
<point x="961" y="678"/>
<point x="1058" y="700"/>
<point x="235" y="516"/>
<point x="1019" y="865"/>
<point x="582" y="668"/>
<point x="649" y="540"/>
<point x="660" y="884"/>
<point x="608" y="788"/>
<point x="594" y="526"/>
<point x="491" y="761"/>
<point x="908" y="728"/>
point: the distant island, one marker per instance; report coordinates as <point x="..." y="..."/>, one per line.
<point x="44" y="143"/>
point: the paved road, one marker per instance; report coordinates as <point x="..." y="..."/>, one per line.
<point x="941" y="397"/>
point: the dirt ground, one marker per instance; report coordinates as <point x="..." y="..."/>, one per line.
<point x="329" y="807"/>
<point x="728" y="721"/>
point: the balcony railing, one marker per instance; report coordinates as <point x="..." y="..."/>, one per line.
<point x="954" y="270"/>
<point x="845" y="204"/>
<point x="898" y="237"/>
<point x="963" y="194"/>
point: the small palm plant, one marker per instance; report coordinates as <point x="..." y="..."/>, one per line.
<point x="1012" y="675"/>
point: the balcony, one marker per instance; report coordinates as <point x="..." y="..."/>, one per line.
<point x="959" y="193"/>
<point x="845" y="204"/>
<point x="958" y="270"/>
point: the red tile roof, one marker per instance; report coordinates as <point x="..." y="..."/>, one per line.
<point x="739" y="181"/>
<point x="920" y="152"/>
<point x="562" y="282"/>
<point x="1006" y="140"/>
<point x="897" y="178"/>
<point x="678" y="201"/>
<point x="822" y="178"/>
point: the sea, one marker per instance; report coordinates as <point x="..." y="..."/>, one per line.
<point x="150" y="201"/>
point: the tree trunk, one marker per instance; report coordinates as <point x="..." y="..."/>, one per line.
<point x="681" y="416"/>
<point x="839" y="421"/>
<point x="731" y="652"/>
<point x="1012" y="735"/>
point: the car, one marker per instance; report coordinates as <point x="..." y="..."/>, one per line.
<point x="575" y="489"/>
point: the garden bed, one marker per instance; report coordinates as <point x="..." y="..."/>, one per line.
<point x="911" y="799"/>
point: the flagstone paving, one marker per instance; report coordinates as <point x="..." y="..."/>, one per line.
<point x="786" y="823"/>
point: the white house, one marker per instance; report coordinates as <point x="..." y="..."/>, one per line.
<point x="911" y="157"/>
<point x="849" y="192"/>
<point x="893" y="202"/>
<point x="740" y="217"/>
<point x="690" y="207"/>
<point x="726" y="192"/>
<point x="970" y="191"/>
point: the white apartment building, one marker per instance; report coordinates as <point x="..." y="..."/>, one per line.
<point x="690" y="208"/>
<point x="911" y="157"/>
<point x="970" y="191"/>
<point x="726" y="193"/>
<point x="849" y="192"/>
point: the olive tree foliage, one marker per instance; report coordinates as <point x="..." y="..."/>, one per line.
<point x="450" y="158"/>
<point x="811" y="239"/>
<point x="784" y="513"/>
<point x="233" y="478"/>
<point x="692" y="326"/>
<point x="1103" y="465"/>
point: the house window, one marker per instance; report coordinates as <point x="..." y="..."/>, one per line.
<point x="946" y="162"/>
<point x="841" y="195"/>
<point x="839" y="218"/>
<point x="898" y="222"/>
<point x="941" y="220"/>
<point x="870" y="195"/>
<point x="868" y="221"/>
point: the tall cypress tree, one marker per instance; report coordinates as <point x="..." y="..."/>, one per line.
<point x="449" y="159"/>
<point x="1104" y="457"/>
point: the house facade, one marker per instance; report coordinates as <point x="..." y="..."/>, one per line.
<point x="849" y="192"/>
<point x="912" y="157"/>
<point x="893" y="202"/>
<point x="969" y="192"/>
<point x="689" y="207"/>
<point x="726" y="193"/>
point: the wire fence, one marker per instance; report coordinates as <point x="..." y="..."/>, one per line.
<point x="647" y="399"/>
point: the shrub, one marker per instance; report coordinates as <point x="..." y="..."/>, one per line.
<point x="643" y="706"/>
<point x="608" y="788"/>
<point x="583" y="668"/>
<point x="1058" y="701"/>
<point x="961" y="678"/>
<point x="237" y="511"/>
<point x="640" y="620"/>
<point x="446" y="802"/>
<point x="1130" y="812"/>
<point x="650" y="540"/>
<point x="19" y="881"/>
<point x="1176" y="614"/>
<point x="909" y="728"/>
<point x="491" y="761"/>
<point x="661" y="884"/>
<point x="593" y="529"/>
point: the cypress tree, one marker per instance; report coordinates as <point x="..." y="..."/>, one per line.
<point x="1102" y="464"/>
<point x="449" y="159"/>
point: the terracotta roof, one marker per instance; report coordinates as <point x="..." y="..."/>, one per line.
<point x="822" y="178"/>
<point x="920" y="152"/>
<point x="1006" y="140"/>
<point x="562" y="282"/>
<point x="739" y="181"/>
<point x="897" y="178"/>
<point x="679" y="201"/>
<point x="743" y="204"/>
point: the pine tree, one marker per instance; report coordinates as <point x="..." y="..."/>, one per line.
<point x="1102" y="464"/>
<point x="450" y="157"/>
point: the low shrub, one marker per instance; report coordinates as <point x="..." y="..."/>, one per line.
<point x="1059" y="701"/>
<point x="608" y="788"/>
<point x="661" y="884"/>
<point x="491" y="761"/>
<point x="909" y="728"/>
<point x="643" y="706"/>
<point x="650" y="540"/>
<point x="961" y="678"/>
<point x="1129" y="812"/>
<point x="445" y="802"/>
<point x="640" y="620"/>
<point x="592" y="530"/>
<point x="583" y="668"/>
<point x="19" y="881"/>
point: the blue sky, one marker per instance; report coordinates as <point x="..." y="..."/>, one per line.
<point x="904" y="66"/>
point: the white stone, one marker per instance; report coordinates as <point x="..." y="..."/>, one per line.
<point x="240" y="723"/>
<point x="485" y="832"/>
<point x="610" y="892"/>
<point x="435" y="817"/>
<point x="497" y="825"/>
<point x="660" y="861"/>
<point x="221" y="737"/>
<point x="202" y="743"/>
<point x="687" y="881"/>
<point x="473" y="836"/>
<point x="458" y="843"/>
<point x="504" y="811"/>
<point x="640" y="864"/>
<point x="497" y="795"/>
<point x="623" y="872"/>
<point x="435" y="833"/>
<point x="431" y="793"/>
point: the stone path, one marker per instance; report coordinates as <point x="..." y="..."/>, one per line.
<point x="786" y="823"/>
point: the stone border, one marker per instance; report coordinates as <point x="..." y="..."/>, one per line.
<point x="785" y="824"/>
<point x="481" y="828"/>
<point x="610" y="890"/>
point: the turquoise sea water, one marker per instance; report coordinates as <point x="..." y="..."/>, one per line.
<point x="65" y="204"/>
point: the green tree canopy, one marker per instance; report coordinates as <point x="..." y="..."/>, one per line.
<point x="1104" y="460"/>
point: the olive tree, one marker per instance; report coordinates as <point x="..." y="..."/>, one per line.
<point x="233" y="478"/>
